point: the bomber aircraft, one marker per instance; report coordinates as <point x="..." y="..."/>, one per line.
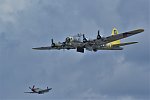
<point x="111" y="42"/>
<point x="38" y="90"/>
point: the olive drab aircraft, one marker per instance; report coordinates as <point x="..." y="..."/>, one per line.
<point x="111" y="42"/>
<point x="38" y="90"/>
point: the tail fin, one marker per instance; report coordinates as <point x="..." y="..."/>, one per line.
<point x="115" y="32"/>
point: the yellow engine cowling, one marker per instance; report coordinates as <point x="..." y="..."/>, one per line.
<point x="108" y="45"/>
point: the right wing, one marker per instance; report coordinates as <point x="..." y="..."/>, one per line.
<point x="114" y="37"/>
<point x="122" y="35"/>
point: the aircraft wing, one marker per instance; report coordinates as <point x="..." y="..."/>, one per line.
<point x="29" y="92"/>
<point x="121" y="36"/>
<point x="54" y="48"/>
<point x="47" y="48"/>
<point x="42" y="48"/>
<point x="42" y="91"/>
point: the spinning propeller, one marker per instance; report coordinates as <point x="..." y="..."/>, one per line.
<point x="84" y="39"/>
<point x="98" y="35"/>
<point x="32" y="87"/>
<point x="53" y="44"/>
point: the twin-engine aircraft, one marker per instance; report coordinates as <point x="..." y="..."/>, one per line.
<point x="38" y="90"/>
<point x="111" y="42"/>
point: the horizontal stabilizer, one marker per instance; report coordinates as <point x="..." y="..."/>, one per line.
<point x="123" y="44"/>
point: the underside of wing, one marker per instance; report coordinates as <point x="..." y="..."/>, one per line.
<point x="43" y="48"/>
<point x="29" y="92"/>
<point x="123" y="44"/>
<point x="122" y="35"/>
<point x="49" y="48"/>
<point x="54" y="48"/>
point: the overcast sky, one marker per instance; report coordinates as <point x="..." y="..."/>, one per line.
<point x="104" y="75"/>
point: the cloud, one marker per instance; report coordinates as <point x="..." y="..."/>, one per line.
<point x="10" y="8"/>
<point x="107" y="75"/>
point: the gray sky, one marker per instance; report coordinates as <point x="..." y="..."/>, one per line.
<point x="104" y="75"/>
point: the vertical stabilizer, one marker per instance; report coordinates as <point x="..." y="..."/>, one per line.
<point x="115" y="32"/>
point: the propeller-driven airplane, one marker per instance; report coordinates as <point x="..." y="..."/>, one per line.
<point x="38" y="90"/>
<point x="100" y="43"/>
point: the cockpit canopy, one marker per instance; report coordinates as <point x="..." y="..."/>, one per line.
<point x="69" y="39"/>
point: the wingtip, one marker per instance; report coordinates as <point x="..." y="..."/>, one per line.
<point x="135" y="42"/>
<point x="141" y="30"/>
<point x="34" y="48"/>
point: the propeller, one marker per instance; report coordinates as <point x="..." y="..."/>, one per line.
<point x="32" y="87"/>
<point x="53" y="44"/>
<point x="84" y="39"/>
<point x="98" y="35"/>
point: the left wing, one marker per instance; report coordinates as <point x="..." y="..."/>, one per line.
<point x="121" y="36"/>
<point x="29" y="92"/>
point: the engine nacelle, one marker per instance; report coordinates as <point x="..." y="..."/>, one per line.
<point x="108" y="45"/>
<point x="58" y="44"/>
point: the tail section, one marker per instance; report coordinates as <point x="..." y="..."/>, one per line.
<point x="115" y="32"/>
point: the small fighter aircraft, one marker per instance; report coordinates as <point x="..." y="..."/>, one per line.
<point x="38" y="90"/>
<point x="111" y="42"/>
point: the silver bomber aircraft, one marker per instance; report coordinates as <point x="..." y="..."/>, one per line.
<point x="111" y="42"/>
<point x="38" y="90"/>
